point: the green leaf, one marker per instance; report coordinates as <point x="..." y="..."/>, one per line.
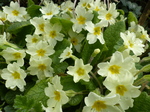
<point x="132" y="17"/>
<point x="141" y="104"/>
<point x="34" y="11"/>
<point x="88" y="49"/>
<point x="66" y="24"/>
<point x="10" y="96"/>
<point x="59" y="48"/>
<point x="68" y="84"/>
<point x="30" y="2"/>
<point x="37" y="94"/>
<point x="17" y="26"/>
<point x="60" y="67"/>
<point x="76" y="100"/>
<point x="112" y="35"/>
<point x="146" y="68"/>
<point x="32" y="100"/>
<point x="9" y="108"/>
<point x="89" y="85"/>
<point x="95" y="18"/>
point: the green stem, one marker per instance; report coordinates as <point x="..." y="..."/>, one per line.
<point x="100" y="86"/>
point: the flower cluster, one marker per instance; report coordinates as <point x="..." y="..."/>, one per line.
<point x="71" y="41"/>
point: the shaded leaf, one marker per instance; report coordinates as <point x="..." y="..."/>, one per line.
<point x="132" y="17"/>
<point x="17" y="26"/>
<point x="141" y="104"/>
<point x="33" y="11"/>
<point x="112" y="35"/>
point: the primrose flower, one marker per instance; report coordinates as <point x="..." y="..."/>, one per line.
<point x="115" y="68"/>
<point x="67" y="53"/>
<point x="11" y="54"/>
<point x="53" y="33"/>
<point x="132" y="43"/>
<point x="41" y="49"/>
<point x="134" y="27"/>
<point x="124" y="88"/>
<point x="14" y="76"/>
<point x="109" y="15"/>
<point x="41" y="67"/>
<point x="49" y="10"/>
<point x="95" y="32"/>
<point x="143" y="35"/>
<point x="76" y="39"/>
<point x="39" y="24"/>
<point x="85" y="3"/>
<point x="79" y="71"/>
<point x="97" y="6"/>
<point x="67" y="6"/>
<point x="57" y="97"/>
<point x="32" y="39"/>
<point x="96" y="103"/>
<point x="82" y="16"/>
<point x="3" y="17"/>
<point x="15" y="12"/>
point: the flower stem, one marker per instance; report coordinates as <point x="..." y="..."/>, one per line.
<point x="100" y="86"/>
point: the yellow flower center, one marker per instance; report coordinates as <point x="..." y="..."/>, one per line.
<point x="68" y="54"/>
<point x="15" y="12"/>
<point x="70" y="9"/>
<point x="42" y="67"/>
<point x="41" y="27"/>
<point x="17" y="55"/>
<point x="16" y="75"/>
<point x="81" y="20"/>
<point x="50" y="13"/>
<point x="57" y="95"/>
<point x="99" y="105"/>
<point x="74" y="41"/>
<point x="143" y="36"/>
<point x="84" y="4"/>
<point x="34" y="40"/>
<point x="80" y="71"/>
<point x="108" y="16"/>
<point x="88" y="6"/>
<point x="97" y="8"/>
<point x="3" y="19"/>
<point x="52" y="34"/>
<point x="130" y="44"/>
<point x="114" y="69"/>
<point x="97" y="31"/>
<point x="40" y="52"/>
<point x="121" y="89"/>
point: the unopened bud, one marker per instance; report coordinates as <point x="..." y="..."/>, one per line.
<point x="70" y="93"/>
<point x="96" y="51"/>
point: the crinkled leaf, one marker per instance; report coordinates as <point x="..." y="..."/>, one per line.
<point x="30" y="2"/>
<point x="112" y="35"/>
<point x="20" y="35"/>
<point x="132" y="17"/>
<point x="89" y="85"/>
<point x="141" y="104"/>
<point x="10" y="96"/>
<point x="76" y="99"/>
<point x="59" y="48"/>
<point x="23" y="104"/>
<point x="60" y="67"/>
<point x="37" y="94"/>
<point x="9" y="108"/>
<point x="17" y="26"/>
<point x="146" y="68"/>
<point x="68" y="84"/>
<point x="66" y="24"/>
<point x="88" y="49"/>
<point x="33" y="10"/>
